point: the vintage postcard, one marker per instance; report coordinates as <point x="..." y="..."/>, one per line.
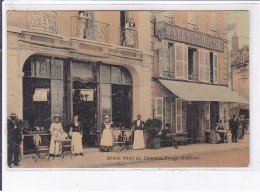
<point x="127" y="89"/>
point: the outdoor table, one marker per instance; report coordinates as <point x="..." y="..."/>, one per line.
<point x="27" y="146"/>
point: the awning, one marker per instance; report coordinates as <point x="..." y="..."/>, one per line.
<point x="202" y="92"/>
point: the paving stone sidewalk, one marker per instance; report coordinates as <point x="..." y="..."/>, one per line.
<point x="93" y="158"/>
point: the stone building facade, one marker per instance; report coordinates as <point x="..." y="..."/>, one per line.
<point x="91" y="63"/>
<point x="190" y="72"/>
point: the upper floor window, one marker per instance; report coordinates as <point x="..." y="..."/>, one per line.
<point x="193" y="20"/>
<point x="85" y="26"/>
<point x="192" y="56"/>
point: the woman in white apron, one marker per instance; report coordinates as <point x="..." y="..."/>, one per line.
<point x="57" y="133"/>
<point x="76" y="133"/>
<point x="106" y="142"/>
<point x="138" y="127"/>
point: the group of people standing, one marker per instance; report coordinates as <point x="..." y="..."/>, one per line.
<point x="107" y="127"/>
<point x="57" y="133"/>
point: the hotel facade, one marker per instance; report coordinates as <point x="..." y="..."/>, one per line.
<point x="170" y="65"/>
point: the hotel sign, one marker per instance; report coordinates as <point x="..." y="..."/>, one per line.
<point x="167" y="31"/>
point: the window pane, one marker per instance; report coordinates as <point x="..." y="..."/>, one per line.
<point x="56" y="69"/>
<point x="215" y="75"/>
<point x="106" y="100"/>
<point x="105" y="74"/>
<point x="179" y="123"/>
<point x="82" y="70"/>
<point x="116" y="75"/>
<point x="57" y="94"/>
<point x="126" y="77"/>
<point x="179" y="69"/>
<point x="207" y="73"/>
<point x="168" y="111"/>
<point x="179" y="111"/>
<point x="41" y="67"/>
<point x="215" y="61"/>
<point x="159" y="106"/>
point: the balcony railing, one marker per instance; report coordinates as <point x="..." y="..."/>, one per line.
<point x="45" y="21"/>
<point x="90" y="29"/>
<point x="129" y="37"/>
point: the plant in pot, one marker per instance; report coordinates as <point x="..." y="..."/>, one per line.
<point x="153" y="127"/>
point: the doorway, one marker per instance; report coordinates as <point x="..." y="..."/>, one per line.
<point x="192" y="120"/>
<point x="122" y="105"/>
<point x="214" y="114"/>
<point x="85" y="106"/>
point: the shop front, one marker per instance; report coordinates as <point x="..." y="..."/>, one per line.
<point x="67" y="87"/>
<point x="194" y="108"/>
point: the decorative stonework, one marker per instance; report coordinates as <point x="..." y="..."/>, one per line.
<point x="43" y="21"/>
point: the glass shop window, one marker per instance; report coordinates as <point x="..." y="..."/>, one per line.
<point x="106" y="100"/>
<point x="105" y="74"/>
<point x="116" y="75"/>
<point x="43" y="90"/>
<point x="82" y="70"/>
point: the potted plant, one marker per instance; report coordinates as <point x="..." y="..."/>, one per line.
<point x="153" y="127"/>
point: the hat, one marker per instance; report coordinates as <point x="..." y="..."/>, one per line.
<point x="13" y="115"/>
<point x="56" y="116"/>
<point x="106" y="117"/>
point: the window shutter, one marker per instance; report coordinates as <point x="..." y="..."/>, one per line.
<point x="179" y="59"/>
<point x="178" y="115"/>
<point x="207" y="66"/>
<point x="159" y="108"/>
<point x="185" y="63"/>
<point x="201" y="64"/>
<point x="215" y="68"/>
<point x="161" y="58"/>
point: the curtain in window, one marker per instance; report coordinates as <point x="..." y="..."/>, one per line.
<point x="106" y="100"/>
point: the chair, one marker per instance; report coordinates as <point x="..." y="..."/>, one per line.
<point x="39" y="148"/>
<point x="128" y="135"/>
<point x="119" y="140"/>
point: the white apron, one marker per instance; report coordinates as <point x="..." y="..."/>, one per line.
<point x="138" y="140"/>
<point x="76" y="143"/>
<point x="107" y="138"/>
<point x="56" y="134"/>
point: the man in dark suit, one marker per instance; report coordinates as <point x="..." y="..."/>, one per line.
<point x="233" y="127"/>
<point x="14" y="140"/>
<point x="169" y="136"/>
<point x="138" y="124"/>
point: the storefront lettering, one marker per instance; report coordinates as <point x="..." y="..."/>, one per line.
<point x="194" y="38"/>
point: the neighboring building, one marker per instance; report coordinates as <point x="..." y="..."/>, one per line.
<point x="190" y="71"/>
<point x="90" y="63"/>
<point x="240" y="75"/>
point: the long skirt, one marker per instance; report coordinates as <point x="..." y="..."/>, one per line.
<point x="106" y="138"/>
<point x="76" y="143"/>
<point x="215" y="137"/>
<point x="138" y="140"/>
<point x="55" y="149"/>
